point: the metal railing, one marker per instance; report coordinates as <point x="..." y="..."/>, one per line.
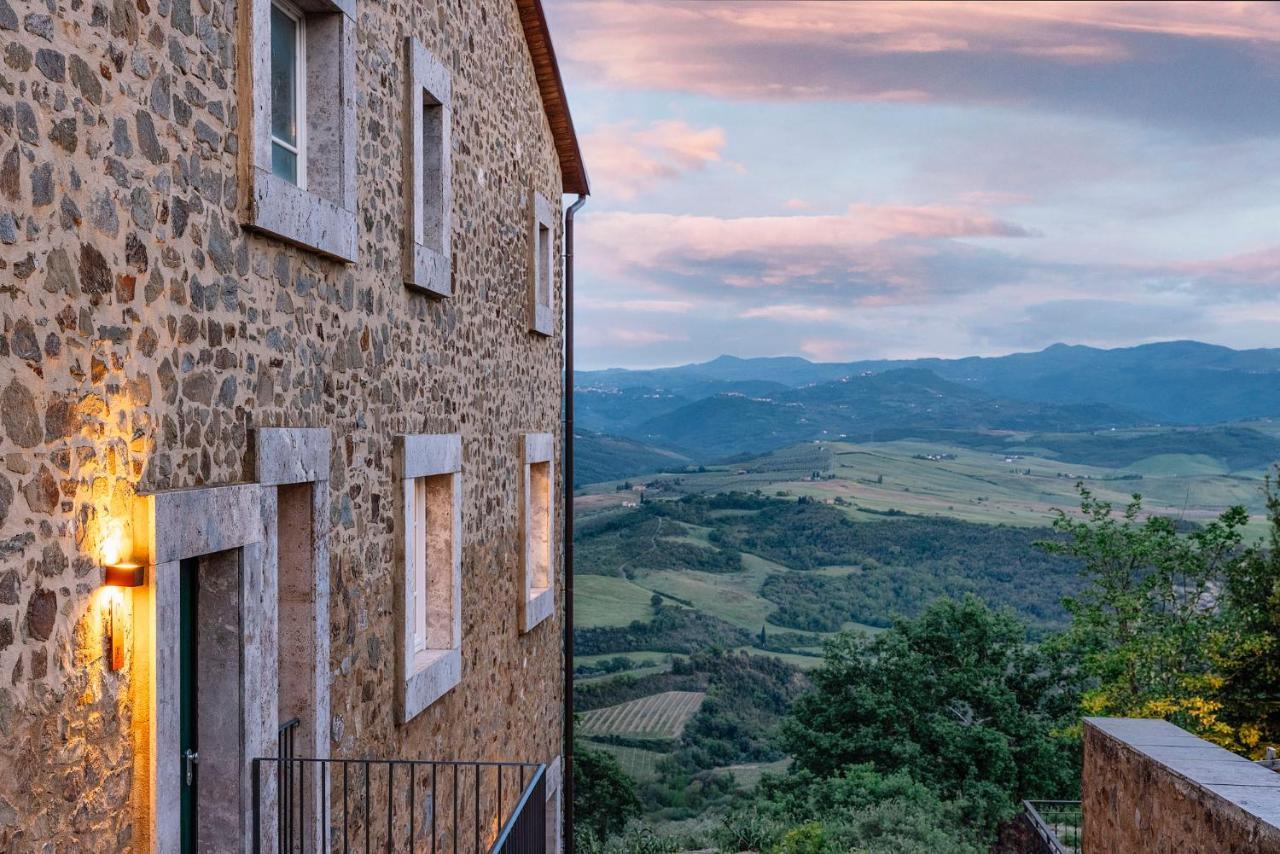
<point x="397" y="805"/>
<point x="1058" y="824"/>
<point x="291" y="788"/>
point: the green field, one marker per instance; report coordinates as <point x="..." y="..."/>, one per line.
<point x="602" y="600"/>
<point x="640" y="764"/>
<point x="1020" y="486"/>
<point x="658" y="716"/>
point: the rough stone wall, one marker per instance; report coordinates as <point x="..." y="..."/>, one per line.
<point x="1133" y="803"/>
<point x="145" y="334"/>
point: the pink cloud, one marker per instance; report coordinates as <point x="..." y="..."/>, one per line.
<point x="826" y="349"/>
<point x="627" y="159"/>
<point x="791" y="311"/>
<point x="643" y="238"/>
<point x="778" y="49"/>
<point x="887" y="252"/>
<point x="650" y="306"/>
<point x="1260" y="269"/>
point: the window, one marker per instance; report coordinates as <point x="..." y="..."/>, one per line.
<point x="541" y="266"/>
<point x="539" y="516"/>
<point x="428" y="172"/>
<point x="297" y="143"/>
<point x="428" y="602"/>
<point x="288" y="95"/>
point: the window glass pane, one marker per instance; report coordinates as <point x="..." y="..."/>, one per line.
<point x="284" y="76"/>
<point x="284" y="162"/>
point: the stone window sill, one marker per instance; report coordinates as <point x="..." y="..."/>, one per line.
<point x="538" y="606"/>
<point x="435" y="673"/>
<point x="303" y="218"/>
<point x="430" y="272"/>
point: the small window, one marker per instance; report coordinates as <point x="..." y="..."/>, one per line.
<point x="542" y="267"/>
<point x="538" y="510"/>
<point x="288" y="94"/>
<point x="428" y="600"/>
<point x="428" y="181"/>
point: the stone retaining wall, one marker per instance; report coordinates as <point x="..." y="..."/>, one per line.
<point x="1152" y="787"/>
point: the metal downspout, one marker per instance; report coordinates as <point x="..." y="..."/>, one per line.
<point x="566" y="770"/>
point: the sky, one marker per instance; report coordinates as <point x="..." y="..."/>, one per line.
<point x="861" y="180"/>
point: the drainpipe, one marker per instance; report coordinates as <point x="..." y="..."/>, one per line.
<point x="566" y="771"/>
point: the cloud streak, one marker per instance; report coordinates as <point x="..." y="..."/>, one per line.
<point x="1209" y="65"/>
<point x="872" y="253"/>
<point x="630" y="159"/>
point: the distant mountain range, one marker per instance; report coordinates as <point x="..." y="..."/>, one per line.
<point x="731" y="406"/>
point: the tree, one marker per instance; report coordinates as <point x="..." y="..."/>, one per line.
<point x="956" y="699"/>
<point x="764" y="638"/>
<point x="604" y="797"/>
<point x="1250" y="662"/>
<point x="1147" y="625"/>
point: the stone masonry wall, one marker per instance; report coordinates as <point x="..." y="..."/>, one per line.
<point x="1149" y="786"/>
<point x="144" y="334"/>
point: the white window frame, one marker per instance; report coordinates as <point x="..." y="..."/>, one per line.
<point x="542" y="266"/>
<point x="318" y="213"/>
<point x="537" y="602"/>
<point x="299" y="88"/>
<point x="426" y="671"/>
<point x="427" y="257"/>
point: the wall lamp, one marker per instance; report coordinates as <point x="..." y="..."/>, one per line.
<point x="118" y="575"/>
<point x="124" y="574"/>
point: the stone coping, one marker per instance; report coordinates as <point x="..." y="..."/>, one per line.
<point x="1241" y="782"/>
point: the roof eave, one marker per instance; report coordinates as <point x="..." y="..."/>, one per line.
<point x="551" y="87"/>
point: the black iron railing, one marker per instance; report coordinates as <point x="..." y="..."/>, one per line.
<point x="291" y="789"/>
<point x="1058" y="823"/>
<point x="396" y="805"/>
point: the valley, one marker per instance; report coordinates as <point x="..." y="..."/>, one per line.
<point x="747" y="516"/>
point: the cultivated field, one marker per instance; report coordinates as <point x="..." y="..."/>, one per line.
<point x="658" y="716"/>
<point x="639" y="764"/>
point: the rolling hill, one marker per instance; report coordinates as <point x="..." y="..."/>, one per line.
<point x="860" y="407"/>
<point x="1179" y="382"/>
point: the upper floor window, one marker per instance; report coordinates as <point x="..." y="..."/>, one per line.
<point x="542" y="265"/>
<point x="288" y="94"/>
<point x="298" y="127"/>
<point x="428" y="172"/>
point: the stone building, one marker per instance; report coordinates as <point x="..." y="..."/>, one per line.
<point x="280" y="418"/>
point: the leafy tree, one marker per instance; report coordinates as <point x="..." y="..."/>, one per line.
<point x="1250" y="662"/>
<point x="858" y="809"/>
<point x="604" y="797"/>
<point x="956" y="699"/>
<point x="1147" y="624"/>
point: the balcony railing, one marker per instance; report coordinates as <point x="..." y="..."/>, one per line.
<point x="1057" y="823"/>
<point x="305" y="805"/>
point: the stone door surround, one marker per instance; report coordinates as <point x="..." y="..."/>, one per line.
<point x="175" y="525"/>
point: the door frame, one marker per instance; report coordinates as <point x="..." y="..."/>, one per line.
<point x="287" y="456"/>
<point x="168" y="527"/>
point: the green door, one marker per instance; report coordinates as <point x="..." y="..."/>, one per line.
<point x="188" y="688"/>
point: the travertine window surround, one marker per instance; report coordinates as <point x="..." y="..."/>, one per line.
<point x="542" y="266"/>
<point x="429" y="555"/>
<point x="320" y="215"/>
<point x="428" y="171"/>
<point x="538" y="550"/>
